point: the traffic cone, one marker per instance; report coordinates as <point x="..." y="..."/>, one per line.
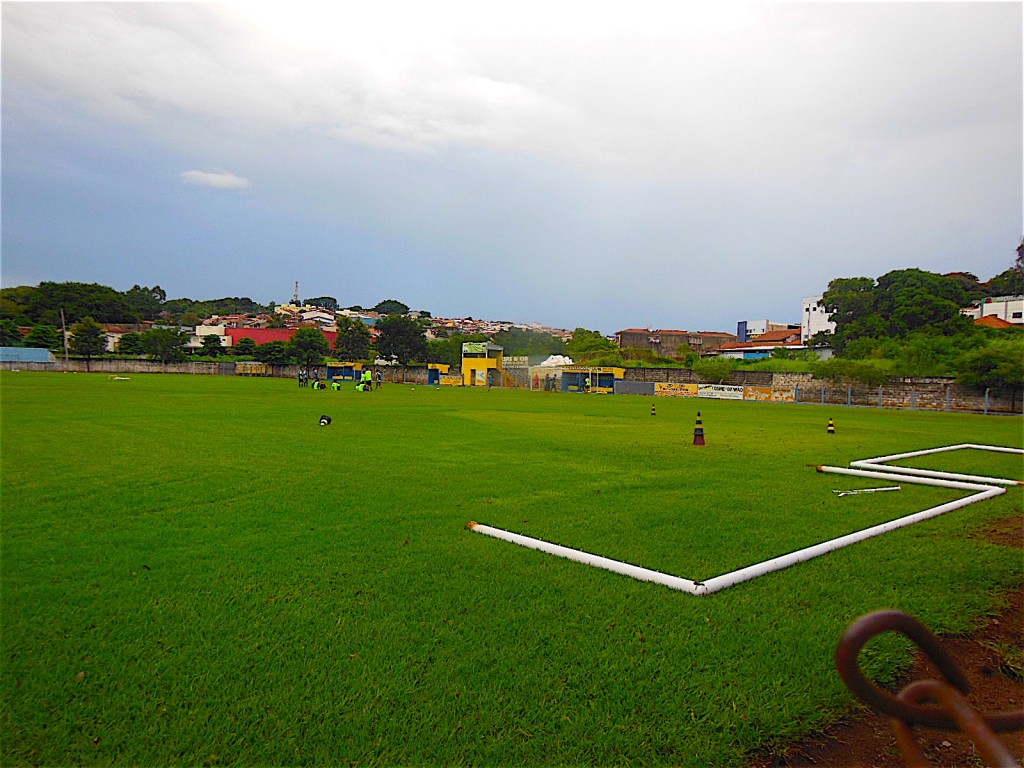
<point x="831" y="427"/>
<point x="653" y="411"/>
<point x="698" y="431"/>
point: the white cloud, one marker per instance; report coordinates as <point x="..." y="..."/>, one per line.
<point x="215" y="179"/>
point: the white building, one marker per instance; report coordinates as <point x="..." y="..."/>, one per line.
<point x="814" y="318"/>
<point x="1008" y="308"/>
<point x="748" y="330"/>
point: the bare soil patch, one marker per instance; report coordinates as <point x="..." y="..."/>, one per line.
<point x="992" y="659"/>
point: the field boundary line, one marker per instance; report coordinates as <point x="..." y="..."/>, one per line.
<point x="981" y="487"/>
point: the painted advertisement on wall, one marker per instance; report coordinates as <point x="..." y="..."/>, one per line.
<point x="669" y="389"/>
<point x="720" y="391"/>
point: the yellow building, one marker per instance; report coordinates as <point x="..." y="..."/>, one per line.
<point x="481" y="365"/>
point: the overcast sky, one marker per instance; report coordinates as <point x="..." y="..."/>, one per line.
<point x="604" y="165"/>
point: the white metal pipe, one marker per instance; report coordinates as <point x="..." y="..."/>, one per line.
<point x="784" y="561"/>
<point x="936" y="473"/>
<point x="897" y="478"/>
<point x="634" y="571"/>
<point x="924" y="452"/>
<point x="980" y="491"/>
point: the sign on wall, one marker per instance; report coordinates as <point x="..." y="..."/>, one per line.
<point x="720" y="391"/>
<point x="670" y="389"/>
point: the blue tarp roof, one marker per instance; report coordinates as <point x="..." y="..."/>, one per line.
<point x="26" y="355"/>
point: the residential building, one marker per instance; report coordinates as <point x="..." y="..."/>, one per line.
<point x="763" y="346"/>
<point x="1008" y="308"/>
<point x="814" y="318"/>
<point x="672" y="343"/>
<point x="748" y="330"/>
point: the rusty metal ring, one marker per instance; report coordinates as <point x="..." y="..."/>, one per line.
<point x="870" y="626"/>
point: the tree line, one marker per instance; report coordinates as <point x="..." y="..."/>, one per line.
<point x="905" y="323"/>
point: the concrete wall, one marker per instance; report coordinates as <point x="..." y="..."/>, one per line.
<point x="938" y="393"/>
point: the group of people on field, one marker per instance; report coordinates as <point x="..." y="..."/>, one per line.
<point x="368" y="379"/>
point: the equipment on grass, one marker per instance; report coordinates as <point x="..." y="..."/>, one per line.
<point x="325" y="420"/>
<point x="831" y="427"/>
<point x="864" y="490"/>
<point x="698" y="431"/>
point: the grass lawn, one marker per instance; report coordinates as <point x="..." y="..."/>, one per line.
<point x="193" y="571"/>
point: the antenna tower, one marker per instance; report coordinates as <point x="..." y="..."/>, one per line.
<point x="296" y="298"/>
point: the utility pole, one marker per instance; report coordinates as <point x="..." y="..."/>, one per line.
<point x="64" y="333"/>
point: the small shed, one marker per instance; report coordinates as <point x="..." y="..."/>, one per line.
<point x="344" y="371"/>
<point x="26" y="355"/>
<point x="575" y="378"/>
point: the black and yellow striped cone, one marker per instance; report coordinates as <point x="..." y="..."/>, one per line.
<point x="831" y="427"/>
<point x="698" y="431"/>
<point x="653" y="411"/>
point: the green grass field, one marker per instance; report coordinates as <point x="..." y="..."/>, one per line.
<point x="195" y="572"/>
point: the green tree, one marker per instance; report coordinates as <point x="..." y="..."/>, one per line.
<point x="900" y="303"/>
<point x="244" y="347"/>
<point x="309" y="346"/>
<point x="449" y="351"/>
<point x="44" y="337"/>
<point x="10" y="336"/>
<point x="211" y="345"/>
<point x="191" y="319"/>
<point x="1008" y="283"/>
<point x="88" y="339"/>
<point x="391" y="307"/>
<point x="274" y="353"/>
<point x="401" y="338"/>
<point x="518" y="341"/>
<point x="78" y="300"/>
<point x="999" y="364"/>
<point x="165" y="344"/>
<point x="327" y="302"/>
<point x="585" y="345"/>
<point x="277" y="321"/>
<point x="131" y="344"/>
<point x="715" y="370"/>
<point x="14" y="303"/>
<point x="146" y="303"/>
<point x="353" y="340"/>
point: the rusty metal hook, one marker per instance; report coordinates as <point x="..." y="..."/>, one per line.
<point x="970" y="721"/>
<point x="870" y="626"/>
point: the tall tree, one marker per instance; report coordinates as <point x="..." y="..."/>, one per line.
<point x="146" y="303"/>
<point x="211" y="345"/>
<point x="44" y="337"/>
<point x="353" y="340"/>
<point x="130" y="344"/>
<point x="449" y="351"/>
<point x="900" y="303"/>
<point x="391" y="307"/>
<point x="244" y="347"/>
<point x="274" y="353"/>
<point x="401" y="338"/>
<point x="586" y="345"/>
<point x="165" y="344"/>
<point x="327" y="302"/>
<point x="78" y="300"/>
<point x="10" y="336"/>
<point x="309" y="346"/>
<point x="88" y="339"/>
<point x="517" y="341"/>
